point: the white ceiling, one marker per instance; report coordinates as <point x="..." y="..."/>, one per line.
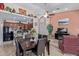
<point x="40" y="8"/>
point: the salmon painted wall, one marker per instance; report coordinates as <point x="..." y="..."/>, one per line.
<point x="73" y="26"/>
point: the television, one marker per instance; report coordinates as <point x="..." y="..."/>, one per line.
<point x="62" y="30"/>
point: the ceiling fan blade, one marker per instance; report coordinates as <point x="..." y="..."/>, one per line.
<point x="51" y="14"/>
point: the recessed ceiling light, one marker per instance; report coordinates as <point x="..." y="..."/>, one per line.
<point x="54" y="11"/>
<point x="66" y="8"/>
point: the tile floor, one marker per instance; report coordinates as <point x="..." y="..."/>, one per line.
<point x="8" y="49"/>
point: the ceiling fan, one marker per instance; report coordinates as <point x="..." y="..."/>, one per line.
<point x="47" y="14"/>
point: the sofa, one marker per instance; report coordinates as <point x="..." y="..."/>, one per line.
<point x="69" y="44"/>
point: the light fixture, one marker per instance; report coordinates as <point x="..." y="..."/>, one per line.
<point x="66" y="9"/>
<point x="54" y="11"/>
<point x="45" y="15"/>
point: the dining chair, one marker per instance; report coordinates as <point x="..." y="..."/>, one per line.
<point x="47" y="45"/>
<point x="18" y="49"/>
<point x="41" y="47"/>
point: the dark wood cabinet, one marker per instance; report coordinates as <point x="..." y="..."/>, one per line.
<point x="17" y="25"/>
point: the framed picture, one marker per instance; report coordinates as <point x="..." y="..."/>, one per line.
<point x="22" y="11"/>
<point x="64" y="21"/>
<point x="2" y="6"/>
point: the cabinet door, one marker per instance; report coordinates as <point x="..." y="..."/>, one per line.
<point x="30" y="26"/>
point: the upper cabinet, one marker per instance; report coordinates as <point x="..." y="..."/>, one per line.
<point x="17" y="25"/>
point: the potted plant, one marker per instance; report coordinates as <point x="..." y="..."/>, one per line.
<point x="33" y="32"/>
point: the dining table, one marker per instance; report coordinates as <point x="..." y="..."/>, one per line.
<point x="26" y="45"/>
